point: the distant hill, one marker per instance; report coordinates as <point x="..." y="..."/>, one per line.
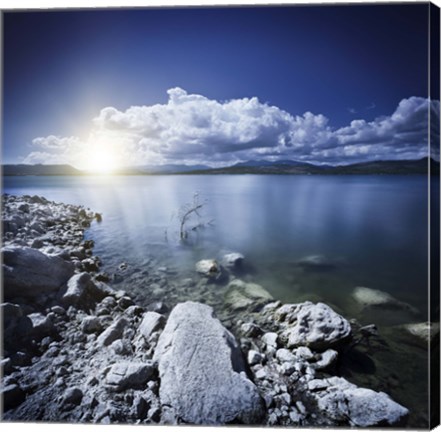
<point x="40" y="170"/>
<point x="249" y="167"/>
<point x="419" y="166"/>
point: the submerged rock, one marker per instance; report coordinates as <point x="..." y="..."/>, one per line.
<point x="241" y="295"/>
<point x="209" y="268"/>
<point x="316" y="262"/>
<point x="232" y="260"/>
<point x="316" y="326"/>
<point x="424" y="330"/>
<point x="28" y="273"/>
<point x="202" y="371"/>
<point x="372" y="298"/>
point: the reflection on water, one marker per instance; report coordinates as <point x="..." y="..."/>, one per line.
<point x="372" y="229"/>
<point x="374" y="226"/>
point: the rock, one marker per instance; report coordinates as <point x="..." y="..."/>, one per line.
<point x="254" y="357"/>
<point x="327" y="360"/>
<point x="304" y="353"/>
<point x="12" y="395"/>
<point x="209" y="268"/>
<point x="372" y="298"/>
<point x="125" y="302"/>
<point x="112" y="333"/>
<point x="424" y="330"/>
<point x="90" y="265"/>
<point x="134" y="311"/>
<point x="72" y="396"/>
<point x="261" y="374"/>
<point x="241" y="295"/>
<point x="91" y="324"/>
<point x="58" y="310"/>
<point x="358" y="407"/>
<point x="316" y="262"/>
<point x="10" y="312"/>
<point x="284" y="355"/>
<point x="287" y="368"/>
<point x="6" y="366"/>
<point x="81" y="292"/>
<point x="24" y="207"/>
<point x="37" y="244"/>
<point x="151" y="322"/>
<point x="250" y="330"/>
<point x="314" y="325"/>
<point x="29" y="273"/>
<point x="202" y="373"/>
<point x="129" y="375"/>
<point x="158" y="307"/>
<point x="121" y="347"/>
<point x="140" y="407"/>
<point x="232" y="260"/>
<point x="42" y="325"/>
<point x="270" y="339"/>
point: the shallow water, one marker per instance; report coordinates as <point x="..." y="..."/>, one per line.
<point x="371" y="229"/>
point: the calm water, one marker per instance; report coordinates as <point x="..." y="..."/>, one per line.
<point x="373" y="228"/>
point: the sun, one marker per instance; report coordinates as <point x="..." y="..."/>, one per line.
<point x="101" y="161"/>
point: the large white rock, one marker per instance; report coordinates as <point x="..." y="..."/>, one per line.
<point x="202" y="371"/>
<point x="316" y="326"/>
<point x="28" y="273"/>
<point x="344" y="402"/>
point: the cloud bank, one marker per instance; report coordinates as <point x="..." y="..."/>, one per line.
<point x="192" y="129"/>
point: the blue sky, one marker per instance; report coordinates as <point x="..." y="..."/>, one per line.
<point x="334" y="84"/>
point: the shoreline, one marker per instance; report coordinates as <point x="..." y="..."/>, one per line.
<point x="96" y="348"/>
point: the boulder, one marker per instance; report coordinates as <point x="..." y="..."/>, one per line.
<point x="344" y="402"/>
<point x="209" y="268"/>
<point x="81" y="292"/>
<point x="372" y="298"/>
<point x="202" y="372"/>
<point x="129" y="375"/>
<point x="241" y="295"/>
<point x="29" y="273"/>
<point x="316" y="326"/>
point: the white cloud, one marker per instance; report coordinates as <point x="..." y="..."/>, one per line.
<point x="191" y="128"/>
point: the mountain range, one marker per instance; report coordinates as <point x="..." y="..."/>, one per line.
<point x="418" y="166"/>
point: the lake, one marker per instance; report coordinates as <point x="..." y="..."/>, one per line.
<point x="372" y="230"/>
<point x="373" y="227"/>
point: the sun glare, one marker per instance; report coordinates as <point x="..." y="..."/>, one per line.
<point x="101" y="161"/>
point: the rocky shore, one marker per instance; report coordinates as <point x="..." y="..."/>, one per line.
<point x="78" y="350"/>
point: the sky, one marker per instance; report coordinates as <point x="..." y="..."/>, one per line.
<point x="216" y="86"/>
